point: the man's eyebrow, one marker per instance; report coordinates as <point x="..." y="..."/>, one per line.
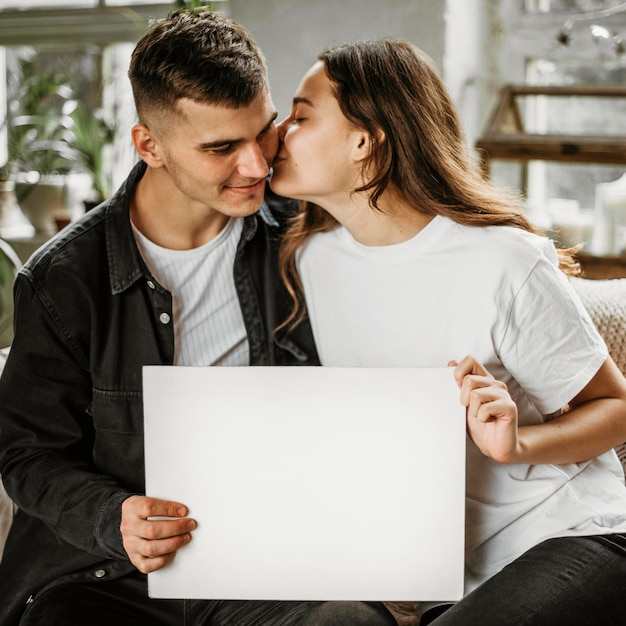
<point x="208" y="145"/>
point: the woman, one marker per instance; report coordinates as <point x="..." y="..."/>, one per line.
<point x="407" y="257"/>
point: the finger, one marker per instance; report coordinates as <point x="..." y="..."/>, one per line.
<point x="156" y="547"/>
<point x="482" y="386"/>
<point x="164" y="528"/>
<point x="149" y="555"/>
<point x="138" y="534"/>
<point x="468" y="366"/>
<point x="485" y="412"/>
<point x="147" y="565"/>
<point x="145" y="507"/>
<point x="500" y="410"/>
<point x="481" y="395"/>
<point x="140" y="512"/>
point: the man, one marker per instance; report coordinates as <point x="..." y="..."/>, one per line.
<point x="175" y="268"/>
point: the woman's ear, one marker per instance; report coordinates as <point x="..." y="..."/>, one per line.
<point x="146" y="145"/>
<point x="365" y="143"/>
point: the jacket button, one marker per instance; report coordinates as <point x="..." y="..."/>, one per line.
<point x="100" y="573"/>
<point x="151" y="284"/>
<point x="164" y="318"/>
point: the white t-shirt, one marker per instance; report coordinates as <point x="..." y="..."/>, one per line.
<point x="208" y="323"/>
<point x="497" y="294"/>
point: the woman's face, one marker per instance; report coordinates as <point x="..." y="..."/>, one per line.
<point x="319" y="155"/>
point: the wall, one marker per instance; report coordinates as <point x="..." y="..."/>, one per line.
<point x="292" y="32"/>
<point x="468" y="67"/>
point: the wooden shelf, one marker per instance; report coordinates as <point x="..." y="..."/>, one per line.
<point x="506" y="139"/>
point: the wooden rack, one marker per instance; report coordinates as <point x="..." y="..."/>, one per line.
<point x="506" y="138"/>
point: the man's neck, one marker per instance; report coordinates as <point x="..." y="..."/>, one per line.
<point x="171" y="221"/>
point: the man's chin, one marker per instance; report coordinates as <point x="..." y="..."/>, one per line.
<point x="244" y="207"/>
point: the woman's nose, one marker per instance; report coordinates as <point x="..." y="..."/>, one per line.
<point x="282" y="128"/>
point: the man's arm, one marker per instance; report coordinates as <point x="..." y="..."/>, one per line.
<point x="46" y="434"/>
<point x="46" y="448"/>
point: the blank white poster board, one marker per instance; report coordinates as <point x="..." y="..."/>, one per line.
<point x="309" y="483"/>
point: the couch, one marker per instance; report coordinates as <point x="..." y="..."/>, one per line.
<point x="606" y="302"/>
<point x="604" y="299"/>
<point x="7" y="508"/>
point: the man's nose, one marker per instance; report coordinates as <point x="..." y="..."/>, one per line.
<point x="254" y="162"/>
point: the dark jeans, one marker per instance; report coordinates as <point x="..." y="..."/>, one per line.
<point x="573" y="581"/>
<point x="125" y="602"/>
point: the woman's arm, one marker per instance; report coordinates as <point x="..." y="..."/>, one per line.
<point x="593" y="422"/>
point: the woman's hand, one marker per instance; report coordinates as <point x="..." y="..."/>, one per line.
<point x="592" y="423"/>
<point x="491" y="413"/>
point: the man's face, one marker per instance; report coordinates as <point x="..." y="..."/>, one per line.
<point x="218" y="157"/>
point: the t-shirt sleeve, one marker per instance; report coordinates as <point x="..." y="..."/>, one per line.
<point x="550" y="345"/>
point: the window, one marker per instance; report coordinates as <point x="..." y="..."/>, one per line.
<point x="79" y="51"/>
<point x="556" y="43"/>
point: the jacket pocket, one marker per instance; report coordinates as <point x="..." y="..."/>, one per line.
<point x="118" y="447"/>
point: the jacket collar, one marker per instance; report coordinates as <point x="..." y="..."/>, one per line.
<point x="125" y="263"/>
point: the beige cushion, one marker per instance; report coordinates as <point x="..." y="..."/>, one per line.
<point x="606" y="302"/>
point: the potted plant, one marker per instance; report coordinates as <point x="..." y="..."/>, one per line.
<point x="91" y="138"/>
<point x="40" y="137"/>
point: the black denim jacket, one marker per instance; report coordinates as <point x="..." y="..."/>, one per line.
<point x="88" y="316"/>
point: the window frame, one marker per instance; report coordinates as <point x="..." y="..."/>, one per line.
<point x="101" y="26"/>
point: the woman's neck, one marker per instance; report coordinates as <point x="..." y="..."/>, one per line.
<point x="395" y="221"/>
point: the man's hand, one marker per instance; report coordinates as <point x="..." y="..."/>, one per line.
<point x="491" y="413"/>
<point x="152" y="543"/>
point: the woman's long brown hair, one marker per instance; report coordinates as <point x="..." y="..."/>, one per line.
<point x="393" y="90"/>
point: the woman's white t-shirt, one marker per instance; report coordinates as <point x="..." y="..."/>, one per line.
<point x="495" y="293"/>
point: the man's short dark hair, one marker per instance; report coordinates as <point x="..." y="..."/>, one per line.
<point x="198" y="55"/>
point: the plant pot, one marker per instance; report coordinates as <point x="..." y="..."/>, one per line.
<point x="9" y="266"/>
<point x="43" y="200"/>
<point x="13" y="223"/>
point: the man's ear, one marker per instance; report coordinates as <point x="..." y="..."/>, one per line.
<point x="146" y="145"/>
